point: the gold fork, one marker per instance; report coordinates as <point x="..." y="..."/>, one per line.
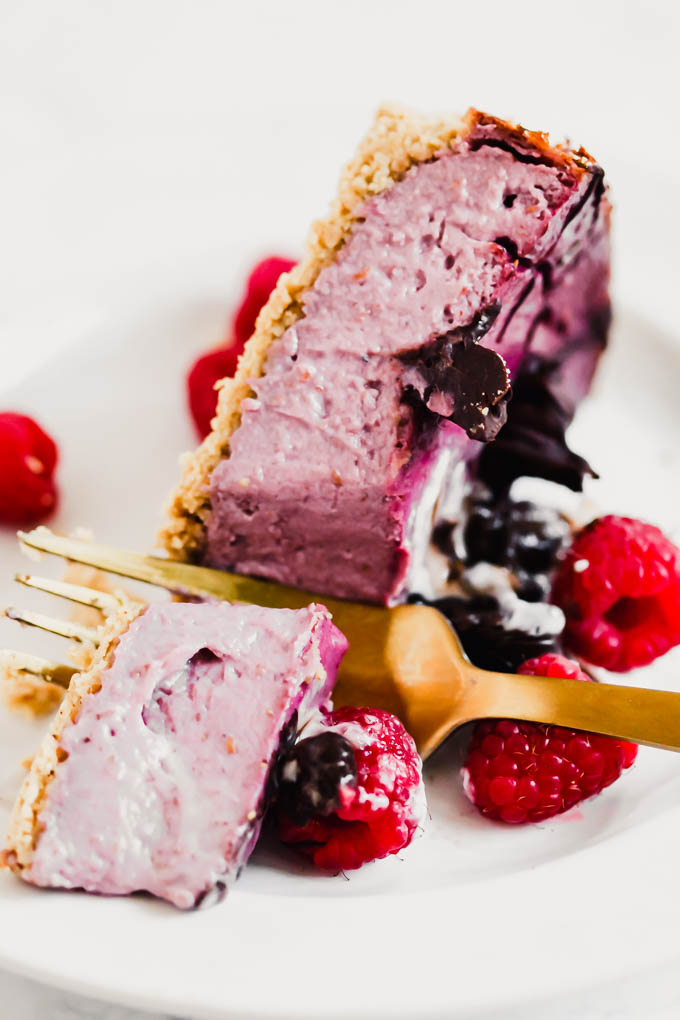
<point x="407" y="660"/>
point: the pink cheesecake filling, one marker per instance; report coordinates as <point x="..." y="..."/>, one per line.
<point x="333" y="455"/>
<point x="164" y="785"/>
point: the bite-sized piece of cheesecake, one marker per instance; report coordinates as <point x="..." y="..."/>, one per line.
<point x="459" y="257"/>
<point x="154" y="775"/>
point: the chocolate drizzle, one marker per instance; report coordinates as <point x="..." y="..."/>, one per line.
<point x="522" y="157"/>
<point x="533" y="441"/>
<point x="510" y="246"/>
<point x="595" y="190"/>
<point x="464" y="382"/>
<point x="524" y="294"/>
<point x="478" y="326"/>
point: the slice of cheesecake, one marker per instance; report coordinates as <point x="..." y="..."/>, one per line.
<point x="154" y="775"/>
<point x="459" y="258"/>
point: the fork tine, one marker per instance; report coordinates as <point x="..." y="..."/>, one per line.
<point x="102" y="601"/>
<point x="151" y="569"/>
<point x="187" y="579"/>
<point x="72" y="631"/>
<point x="180" y="578"/>
<point x="51" y="672"/>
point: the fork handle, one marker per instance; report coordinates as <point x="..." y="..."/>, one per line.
<point x="630" y="713"/>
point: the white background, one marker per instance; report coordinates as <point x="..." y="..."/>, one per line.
<point x="137" y="137"/>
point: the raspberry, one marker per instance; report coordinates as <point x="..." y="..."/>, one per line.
<point x="201" y="381"/>
<point x="619" y="588"/>
<point x="28" y="458"/>
<point x="379" y="811"/>
<point x="553" y="665"/>
<point x="221" y="363"/>
<point x="261" y="283"/>
<point x="526" y="772"/>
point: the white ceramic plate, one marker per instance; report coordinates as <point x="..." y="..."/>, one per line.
<point x="474" y="916"/>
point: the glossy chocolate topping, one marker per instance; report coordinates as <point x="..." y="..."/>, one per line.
<point x="533" y="441"/>
<point x="463" y="382"/>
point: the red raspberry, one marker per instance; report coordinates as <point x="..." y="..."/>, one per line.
<point x="527" y="772"/>
<point x="201" y="381"/>
<point x="619" y="587"/>
<point x="261" y="283"/>
<point x="28" y="458"/>
<point x="380" y="814"/>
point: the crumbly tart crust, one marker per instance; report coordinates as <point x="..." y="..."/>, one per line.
<point x="24" y="826"/>
<point x="398" y="139"/>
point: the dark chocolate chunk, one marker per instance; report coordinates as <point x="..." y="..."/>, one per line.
<point x="464" y="382"/>
<point x="475" y="384"/>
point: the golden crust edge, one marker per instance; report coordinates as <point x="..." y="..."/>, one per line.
<point x="397" y="140"/>
<point x="24" y="824"/>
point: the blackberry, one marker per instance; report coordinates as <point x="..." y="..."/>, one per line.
<point x="383" y="809"/>
<point x="536" y="536"/>
<point x="532" y="587"/>
<point x="311" y="774"/>
<point x="495" y="648"/>
<point x="485" y="536"/>
<point x="486" y="642"/>
<point x="522" y="536"/>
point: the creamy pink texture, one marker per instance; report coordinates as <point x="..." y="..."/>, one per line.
<point x="329" y="460"/>
<point x="163" y="787"/>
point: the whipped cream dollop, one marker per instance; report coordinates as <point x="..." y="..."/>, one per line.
<point x="516" y="613"/>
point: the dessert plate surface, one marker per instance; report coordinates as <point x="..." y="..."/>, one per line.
<point x="473" y="916"/>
